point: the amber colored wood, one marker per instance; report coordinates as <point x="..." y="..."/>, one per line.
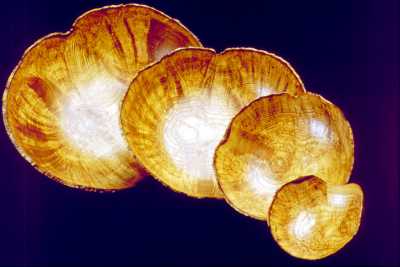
<point x="177" y="110"/>
<point x="311" y="219"/>
<point x="90" y="66"/>
<point x="276" y="139"/>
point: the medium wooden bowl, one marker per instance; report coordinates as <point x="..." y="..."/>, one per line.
<point x="279" y="138"/>
<point x="61" y="105"/>
<point x="176" y="111"/>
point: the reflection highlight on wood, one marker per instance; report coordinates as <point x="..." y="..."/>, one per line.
<point x="311" y="219"/>
<point x="61" y="106"/>
<point x="276" y="139"/>
<point x="176" y="111"/>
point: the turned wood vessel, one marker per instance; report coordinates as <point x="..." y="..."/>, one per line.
<point x="279" y="138"/>
<point x="176" y="111"/>
<point x="311" y="219"/>
<point x="61" y="105"/>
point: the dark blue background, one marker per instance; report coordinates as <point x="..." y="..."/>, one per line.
<point x="348" y="51"/>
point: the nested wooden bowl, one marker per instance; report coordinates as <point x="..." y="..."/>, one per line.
<point x="279" y="138"/>
<point x="311" y="219"/>
<point x="61" y="105"/>
<point x="176" y="111"/>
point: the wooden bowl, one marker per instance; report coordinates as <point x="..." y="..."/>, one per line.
<point x="311" y="219"/>
<point x="176" y="111"/>
<point x="279" y="138"/>
<point x="61" y="105"/>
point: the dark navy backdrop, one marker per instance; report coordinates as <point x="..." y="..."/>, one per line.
<point x="347" y="51"/>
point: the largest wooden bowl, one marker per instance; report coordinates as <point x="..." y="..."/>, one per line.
<point x="61" y="103"/>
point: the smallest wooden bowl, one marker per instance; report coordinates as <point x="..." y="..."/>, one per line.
<point x="310" y="219"/>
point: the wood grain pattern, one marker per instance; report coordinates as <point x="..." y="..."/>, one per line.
<point x="276" y="139"/>
<point x="176" y="111"/>
<point x="311" y="219"/>
<point x="61" y="104"/>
